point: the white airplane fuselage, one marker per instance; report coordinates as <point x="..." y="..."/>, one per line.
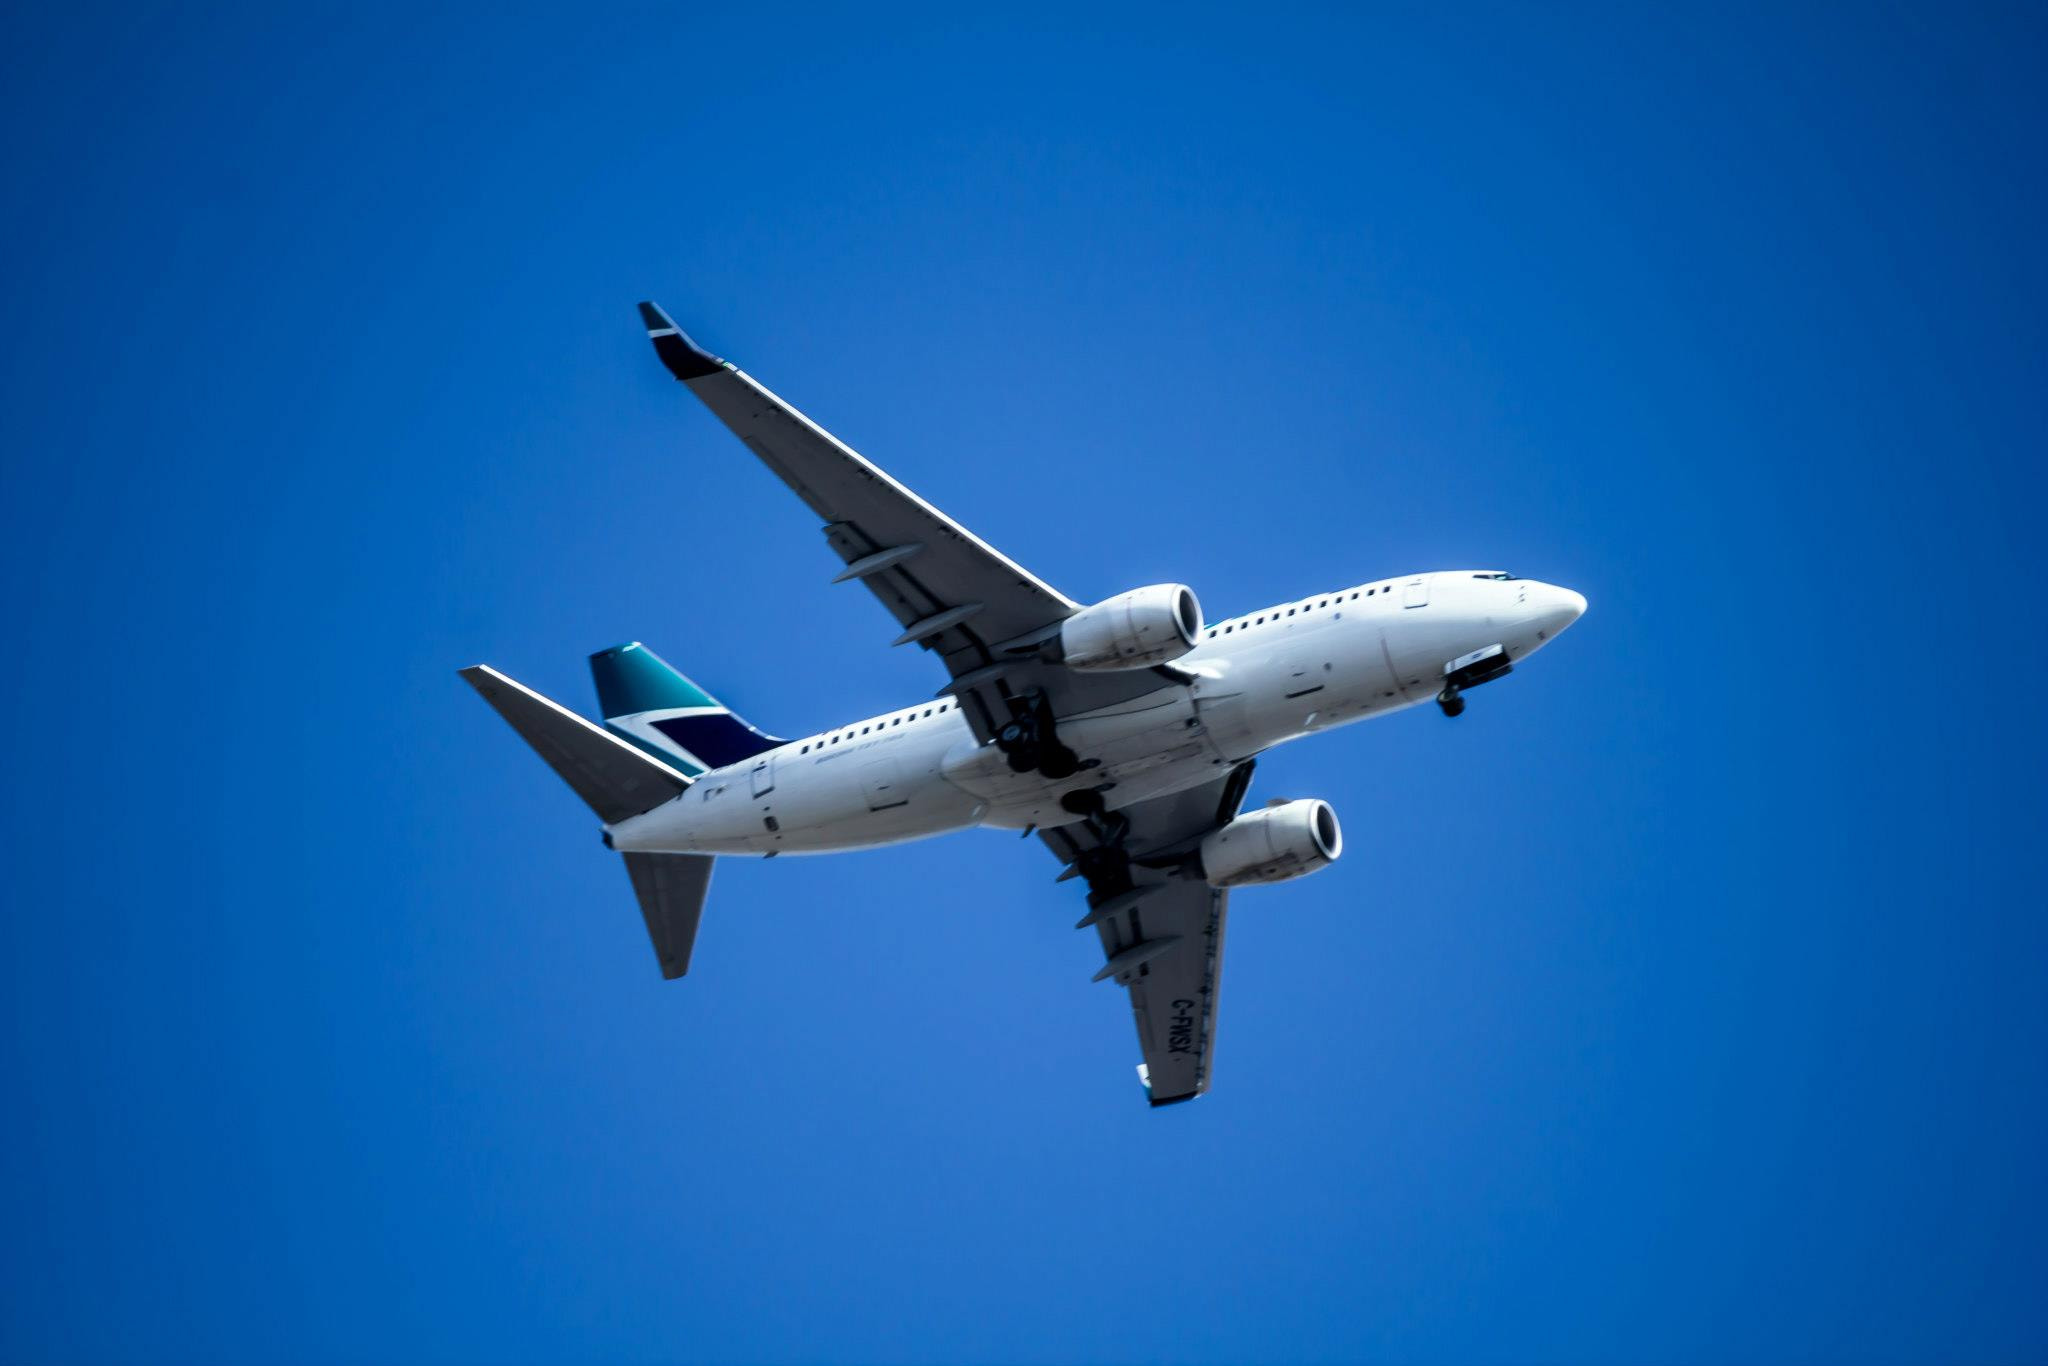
<point x="1258" y="680"/>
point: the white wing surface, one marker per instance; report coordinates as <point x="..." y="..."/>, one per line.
<point x="950" y="591"/>
<point x="1161" y="928"/>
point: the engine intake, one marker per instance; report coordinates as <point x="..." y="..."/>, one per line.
<point x="1133" y="630"/>
<point x="1283" y="841"/>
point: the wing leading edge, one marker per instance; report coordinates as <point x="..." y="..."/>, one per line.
<point x="985" y="616"/>
<point x="950" y="591"/>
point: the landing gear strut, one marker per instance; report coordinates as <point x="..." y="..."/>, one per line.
<point x="1469" y="671"/>
<point x="1109" y="827"/>
<point x="1029" y="742"/>
<point x="1107" y="865"/>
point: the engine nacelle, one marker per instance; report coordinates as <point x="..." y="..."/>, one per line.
<point x="1133" y="630"/>
<point x="1282" y="841"/>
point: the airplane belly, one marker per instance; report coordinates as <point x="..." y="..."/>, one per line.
<point x="1138" y="736"/>
<point x="716" y="815"/>
<point x="852" y="798"/>
<point x="865" y="796"/>
<point x="1300" y="682"/>
<point x="1153" y="743"/>
<point x="1415" y="650"/>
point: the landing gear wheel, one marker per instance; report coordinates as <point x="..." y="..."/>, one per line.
<point x="1058" y="762"/>
<point x="1087" y="802"/>
<point x="1452" y="701"/>
<point x="1028" y="741"/>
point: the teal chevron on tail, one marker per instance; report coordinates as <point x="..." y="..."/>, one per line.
<point x="649" y="704"/>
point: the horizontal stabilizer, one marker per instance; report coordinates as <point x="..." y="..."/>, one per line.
<point x="671" y="889"/>
<point x="613" y="778"/>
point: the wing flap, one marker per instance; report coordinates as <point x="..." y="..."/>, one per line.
<point x="1161" y="930"/>
<point x="1173" y="995"/>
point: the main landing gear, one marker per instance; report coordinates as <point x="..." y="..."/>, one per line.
<point x="1451" y="700"/>
<point x="1107" y="864"/>
<point x="1109" y="827"/>
<point x="1029" y="742"/>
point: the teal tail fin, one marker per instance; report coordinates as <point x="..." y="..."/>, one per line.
<point x="649" y="704"/>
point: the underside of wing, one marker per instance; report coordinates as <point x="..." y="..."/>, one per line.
<point x="951" y="592"/>
<point x="1160" y="925"/>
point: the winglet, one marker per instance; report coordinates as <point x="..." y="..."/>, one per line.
<point x="684" y="358"/>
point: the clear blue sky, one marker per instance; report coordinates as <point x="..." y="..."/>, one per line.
<point x="1682" y="1002"/>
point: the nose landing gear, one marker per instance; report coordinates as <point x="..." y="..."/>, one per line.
<point x="1469" y="671"/>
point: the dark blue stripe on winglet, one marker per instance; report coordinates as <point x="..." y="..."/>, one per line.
<point x="684" y="358"/>
<point x="718" y="738"/>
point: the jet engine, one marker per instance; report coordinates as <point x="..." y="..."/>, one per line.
<point x="1282" y="841"/>
<point x="1133" y="630"/>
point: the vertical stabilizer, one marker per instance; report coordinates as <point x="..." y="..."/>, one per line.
<point x="648" y="703"/>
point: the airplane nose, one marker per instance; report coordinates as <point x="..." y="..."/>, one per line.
<point x="1560" y="608"/>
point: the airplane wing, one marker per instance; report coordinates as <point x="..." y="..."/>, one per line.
<point x="950" y="591"/>
<point x="1161" y="929"/>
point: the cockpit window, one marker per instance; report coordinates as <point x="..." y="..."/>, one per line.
<point x="1497" y="574"/>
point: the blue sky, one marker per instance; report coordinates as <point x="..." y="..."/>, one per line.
<point x="1683" y="1001"/>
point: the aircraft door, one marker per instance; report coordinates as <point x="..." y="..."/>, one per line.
<point x="1417" y="594"/>
<point x="764" y="776"/>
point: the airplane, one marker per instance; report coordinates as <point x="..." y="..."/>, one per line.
<point x="1123" y="733"/>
